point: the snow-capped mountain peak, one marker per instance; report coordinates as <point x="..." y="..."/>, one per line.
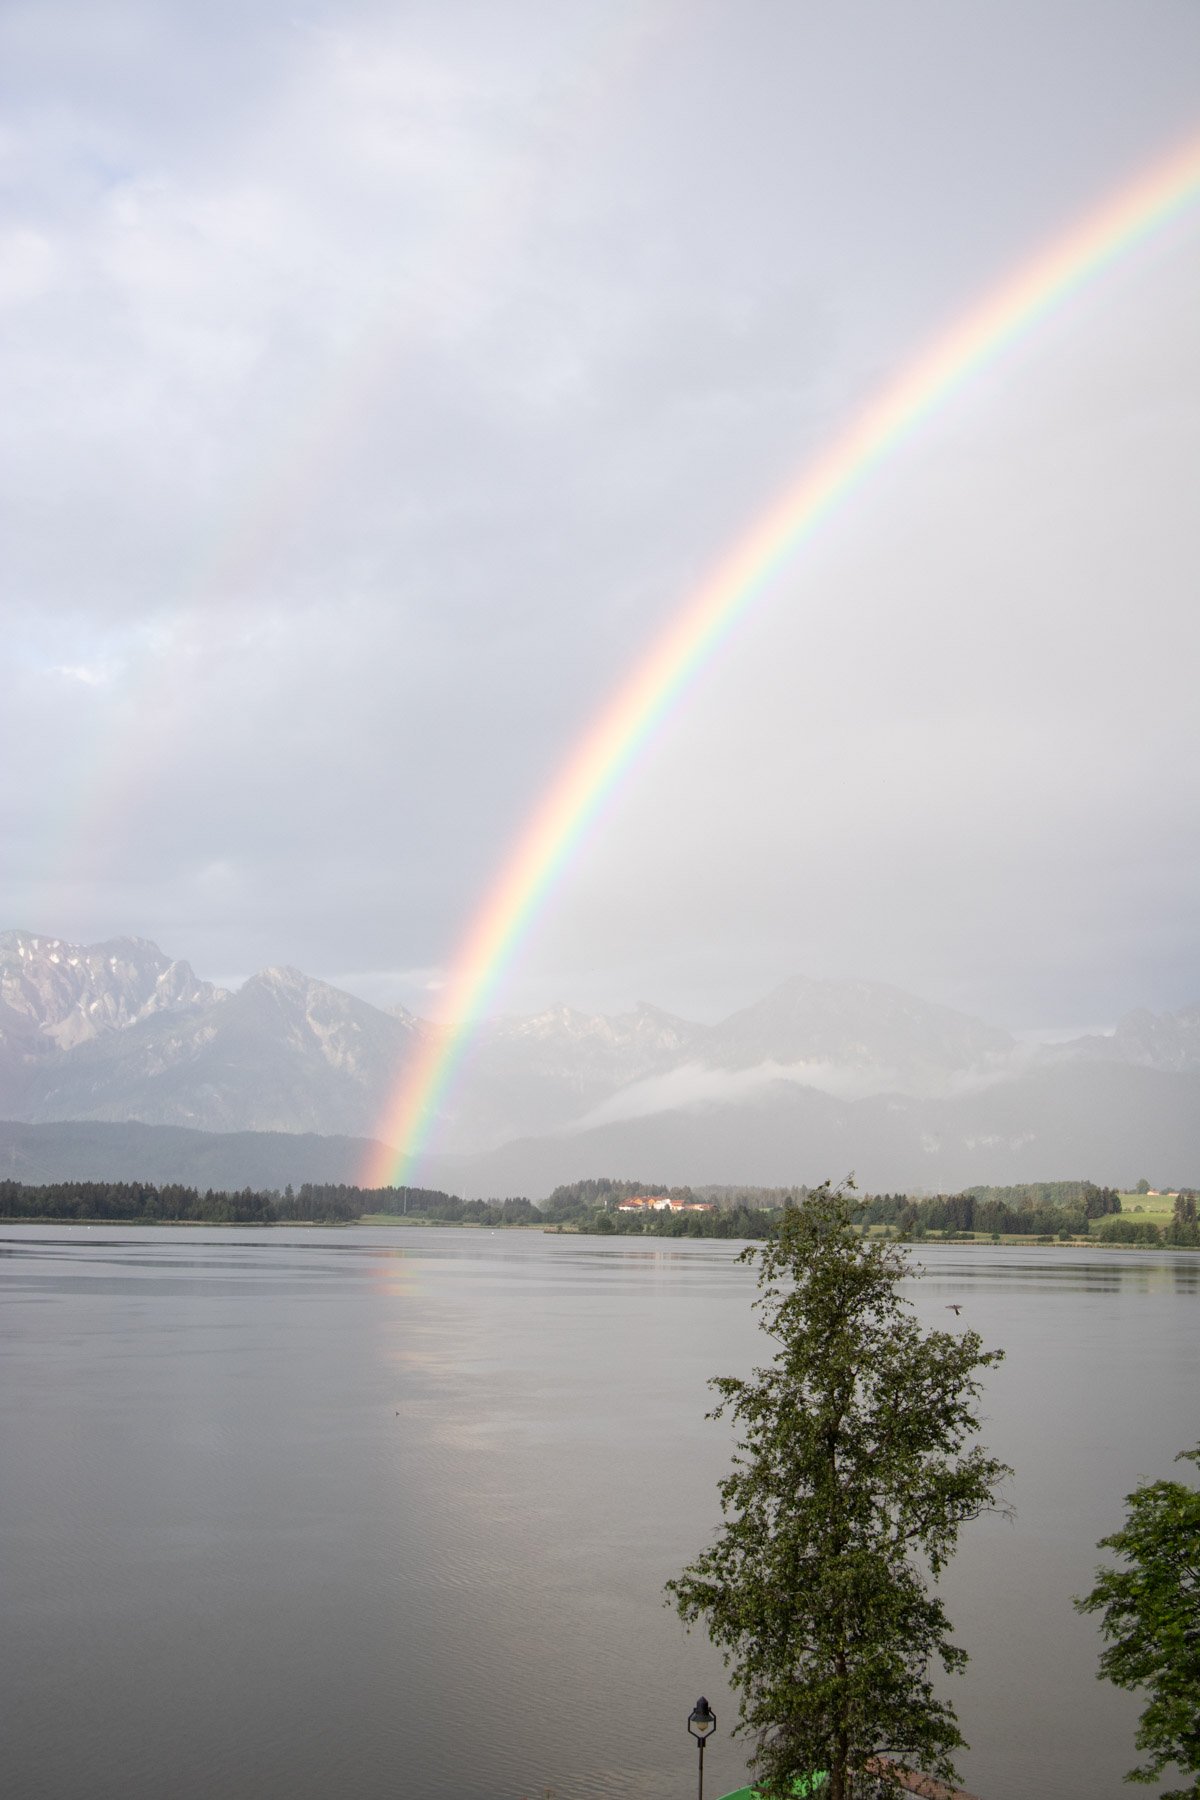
<point x="120" y="1031"/>
<point x="69" y="993"/>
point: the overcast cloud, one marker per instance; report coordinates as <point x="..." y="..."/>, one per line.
<point x="377" y="378"/>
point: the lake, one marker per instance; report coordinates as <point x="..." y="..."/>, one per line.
<point x="305" y="1514"/>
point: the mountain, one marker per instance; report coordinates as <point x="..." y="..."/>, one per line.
<point x="118" y="1031"/>
<point x="1169" y="1041"/>
<point x="56" y="996"/>
<point x="284" y="1053"/>
<point x="815" y="1078"/>
<point x="84" y="1150"/>
<point x="1103" y="1121"/>
<point x="859" y="1033"/>
<point x="546" y="1071"/>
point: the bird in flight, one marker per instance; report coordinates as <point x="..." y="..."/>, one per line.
<point x="951" y="1307"/>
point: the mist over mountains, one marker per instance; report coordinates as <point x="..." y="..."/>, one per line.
<point x="816" y="1078"/>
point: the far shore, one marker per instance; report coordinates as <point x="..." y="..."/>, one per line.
<point x="407" y="1221"/>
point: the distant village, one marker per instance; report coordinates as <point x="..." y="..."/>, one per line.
<point x="661" y="1203"/>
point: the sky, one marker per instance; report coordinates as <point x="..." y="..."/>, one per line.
<point x="379" y="379"/>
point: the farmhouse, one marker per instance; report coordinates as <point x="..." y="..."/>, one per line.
<point x="659" y="1203"/>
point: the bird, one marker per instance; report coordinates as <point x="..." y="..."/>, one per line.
<point x="952" y="1307"/>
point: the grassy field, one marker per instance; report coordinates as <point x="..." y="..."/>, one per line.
<point x="1151" y="1206"/>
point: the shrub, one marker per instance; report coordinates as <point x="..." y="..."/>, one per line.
<point x="1118" y="1228"/>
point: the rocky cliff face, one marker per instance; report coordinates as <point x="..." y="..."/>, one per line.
<point x="67" y="994"/>
<point x="283" y="1053"/>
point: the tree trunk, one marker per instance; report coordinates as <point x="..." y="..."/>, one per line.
<point x="839" y="1783"/>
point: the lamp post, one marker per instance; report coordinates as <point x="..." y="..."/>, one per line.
<point x="702" y="1722"/>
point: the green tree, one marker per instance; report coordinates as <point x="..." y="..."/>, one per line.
<point x="1124" y="1230"/>
<point x="850" y="1482"/>
<point x="1184" y="1227"/>
<point x="1151" y="1616"/>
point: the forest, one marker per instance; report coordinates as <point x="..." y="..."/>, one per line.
<point x="1048" y="1211"/>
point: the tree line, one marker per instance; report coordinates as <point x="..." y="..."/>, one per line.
<point x="733" y="1222"/>
<point x="594" y="1206"/>
<point x="583" y="1205"/>
<point x="313" y="1203"/>
<point x="135" y="1201"/>
<point x="1035" y="1210"/>
<point x="1046" y="1210"/>
<point x="450" y="1209"/>
<point x="1069" y="1194"/>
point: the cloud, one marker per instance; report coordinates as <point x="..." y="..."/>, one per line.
<point x="694" y="1085"/>
<point x="375" y="388"/>
<point x="26" y="265"/>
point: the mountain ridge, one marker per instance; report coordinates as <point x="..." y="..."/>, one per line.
<point x="120" y="1032"/>
<point x="1071" y="1121"/>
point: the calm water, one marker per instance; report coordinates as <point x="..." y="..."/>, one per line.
<point x="297" y="1515"/>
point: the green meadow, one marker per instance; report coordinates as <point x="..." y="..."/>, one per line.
<point x="1158" y="1207"/>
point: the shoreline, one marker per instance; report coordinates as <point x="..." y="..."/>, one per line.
<point x="383" y="1222"/>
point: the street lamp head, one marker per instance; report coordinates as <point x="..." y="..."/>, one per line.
<point x="702" y="1720"/>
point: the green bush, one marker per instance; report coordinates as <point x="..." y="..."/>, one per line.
<point x="1118" y="1228"/>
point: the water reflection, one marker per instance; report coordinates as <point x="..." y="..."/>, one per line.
<point x="1067" y="1268"/>
<point x="324" y="1511"/>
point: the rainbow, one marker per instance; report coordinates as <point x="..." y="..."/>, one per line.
<point x="617" y="736"/>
